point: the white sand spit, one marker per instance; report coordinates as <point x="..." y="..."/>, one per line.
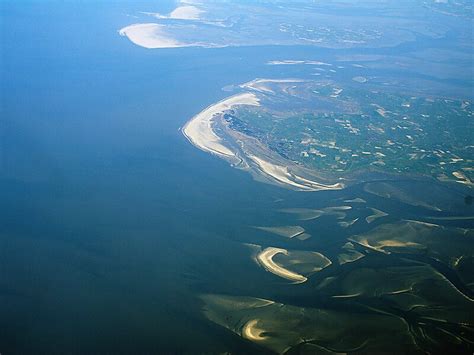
<point x="265" y="258"/>
<point x="199" y="129"/>
<point x="149" y="35"/>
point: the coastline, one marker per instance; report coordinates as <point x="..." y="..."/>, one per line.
<point x="199" y="132"/>
<point x="199" y="129"/>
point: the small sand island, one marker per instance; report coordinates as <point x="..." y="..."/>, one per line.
<point x="265" y="258"/>
<point x="295" y="266"/>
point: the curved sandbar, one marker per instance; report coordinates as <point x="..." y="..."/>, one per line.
<point x="261" y="85"/>
<point x="265" y="258"/>
<point x="282" y="175"/>
<point x="199" y="130"/>
<point x="250" y="331"/>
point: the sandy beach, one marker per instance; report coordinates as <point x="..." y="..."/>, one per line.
<point x="199" y="129"/>
<point x="149" y="35"/>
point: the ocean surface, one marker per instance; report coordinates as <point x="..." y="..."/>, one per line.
<point x="111" y="223"/>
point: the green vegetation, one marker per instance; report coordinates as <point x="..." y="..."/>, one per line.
<point x="352" y="130"/>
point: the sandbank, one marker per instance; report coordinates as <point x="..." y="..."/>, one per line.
<point x="250" y="331"/>
<point x="282" y="175"/>
<point x="377" y="214"/>
<point x="285" y="231"/>
<point x="265" y="258"/>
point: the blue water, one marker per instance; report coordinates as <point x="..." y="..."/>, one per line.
<point x="111" y="223"/>
<point x="105" y="207"/>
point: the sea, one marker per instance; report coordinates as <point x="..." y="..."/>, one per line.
<point x="111" y="223"/>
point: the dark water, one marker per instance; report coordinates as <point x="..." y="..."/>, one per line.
<point x="110" y="221"/>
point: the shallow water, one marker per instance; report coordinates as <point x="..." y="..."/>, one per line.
<point x="111" y="224"/>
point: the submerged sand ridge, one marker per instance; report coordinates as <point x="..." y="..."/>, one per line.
<point x="280" y="327"/>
